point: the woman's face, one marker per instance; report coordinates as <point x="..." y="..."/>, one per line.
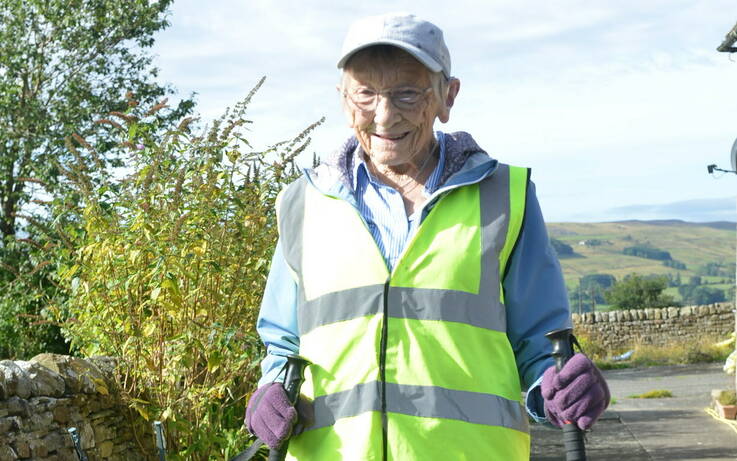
<point x="390" y="136"/>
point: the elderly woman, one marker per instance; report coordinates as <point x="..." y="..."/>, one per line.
<point x="414" y="272"/>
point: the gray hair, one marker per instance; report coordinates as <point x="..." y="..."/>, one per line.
<point x="440" y="85"/>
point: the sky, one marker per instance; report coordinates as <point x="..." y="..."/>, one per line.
<point x="618" y="107"/>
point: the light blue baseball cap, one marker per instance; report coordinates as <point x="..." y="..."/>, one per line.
<point x="422" y="39"/>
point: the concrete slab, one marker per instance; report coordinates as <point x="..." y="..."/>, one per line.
<point x="674" y="428"/>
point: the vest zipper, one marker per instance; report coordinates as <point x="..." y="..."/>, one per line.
<point x="382" y="370"/>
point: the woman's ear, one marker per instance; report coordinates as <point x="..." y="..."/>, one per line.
<point x="454" y="86"/>
<point x="348" y="111"/>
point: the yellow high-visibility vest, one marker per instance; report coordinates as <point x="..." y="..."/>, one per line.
<point x="414" y="364"/>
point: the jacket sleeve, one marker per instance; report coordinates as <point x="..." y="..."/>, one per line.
<point x="536" y="302"/>
<point x="277" y="320"/>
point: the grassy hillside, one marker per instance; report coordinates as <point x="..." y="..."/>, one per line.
<point x="694" y="244"/>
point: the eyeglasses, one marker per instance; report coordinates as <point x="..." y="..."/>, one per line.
<point x="403" y="98"/>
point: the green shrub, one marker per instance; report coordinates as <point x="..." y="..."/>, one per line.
<point x="645" y="251"/>
<point x="639" y="292"/>
<point x="563" y="250"/>
<point x="728" y="397"/>
<point x="168" y="269"/>
<point x="24" y="331"/>
<point x="25" y="285"/>
<point x="700" y="295"/>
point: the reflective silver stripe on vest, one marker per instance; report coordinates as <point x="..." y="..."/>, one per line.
<point x="339" y="306"/>
<point x="447" y="305"/>
<point x="422" y="401"/>
<point x="291" y="214"/>
<point x="404" y="303"/>
<point x="494" y="195"/>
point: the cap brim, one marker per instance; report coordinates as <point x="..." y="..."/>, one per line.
<point x="419" y="54"/>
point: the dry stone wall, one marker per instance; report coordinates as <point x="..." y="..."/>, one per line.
<point x="623" y="329"/>
<point x="41" y="398"/>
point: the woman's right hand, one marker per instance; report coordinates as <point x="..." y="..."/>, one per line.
<point x="269" y="415"/>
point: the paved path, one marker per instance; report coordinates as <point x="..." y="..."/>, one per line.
<point x="675" y="428"/>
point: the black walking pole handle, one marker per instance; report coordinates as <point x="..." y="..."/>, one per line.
<point x="292" y="383"/>
<point x="77" y="441"/>
<point x="572" y="435"/>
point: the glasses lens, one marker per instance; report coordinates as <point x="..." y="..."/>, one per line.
<point x="406" y="98"/>
<point x="364" y="98"/>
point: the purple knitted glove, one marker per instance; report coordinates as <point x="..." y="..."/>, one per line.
<point x="269" y="415"/>
<point x="577" y="393"/>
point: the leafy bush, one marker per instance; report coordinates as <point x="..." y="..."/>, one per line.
<point x="675" y="264"/>
<point x="718" y="269"/>
<point x="24" y="287"/>
<point x="562" y="249"/>
<point x="638" y="292"/>
<point x="599" y="280"/>
<point x="699" y="294"/>
<point x="24" y="331"/>
<point x="674" y="280"/>
<point x="168" y="269"/>
<point x="644" y="251"/>
<point x="728" y="398"/>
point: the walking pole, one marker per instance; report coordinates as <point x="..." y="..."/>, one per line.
<point x="295" y="376"/>
<point x="572" y="435"/>
<point x="160" y="440"/>
<point x="77" y="443"/>
<point x="293" y="380"/>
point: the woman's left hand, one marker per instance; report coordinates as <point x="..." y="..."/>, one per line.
<point x="576" y="394"/>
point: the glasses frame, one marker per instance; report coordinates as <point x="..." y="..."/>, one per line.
<point x="347" y="94"/>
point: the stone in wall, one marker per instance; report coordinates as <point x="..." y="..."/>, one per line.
<point x="43" y="397"/>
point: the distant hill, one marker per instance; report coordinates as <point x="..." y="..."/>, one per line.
<point x="599" y="247"/>
<point x="724" y="225"/>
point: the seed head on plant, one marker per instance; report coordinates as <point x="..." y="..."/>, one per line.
<point x="107" y="121"/>
<point x="184" y="124"/>
<point x="160" y="105"/>
<point x="30" y="242"/>
<point x="83" y="142"/>
<point x="129" y="119"/>
<point x="38" y="267"/>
